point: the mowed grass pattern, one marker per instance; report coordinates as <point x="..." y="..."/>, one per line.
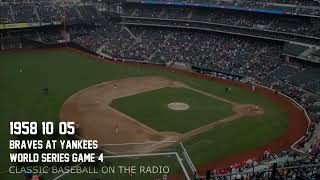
<point x="151" y="108"/>
<point x="65" y="73"/>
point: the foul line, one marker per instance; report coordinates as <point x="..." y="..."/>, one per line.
<point x="188" y="159"/>
<point x="147" y="142"/>
<point x="153" y="154"/>
<point x="64" y="173"/>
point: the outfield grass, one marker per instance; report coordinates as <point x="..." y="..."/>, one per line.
<point x="151" y="109"/>
<point x="65" y="73"/>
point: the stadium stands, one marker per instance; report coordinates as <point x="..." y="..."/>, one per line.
<point x="5" y="14"/>
<point x="308" y="79"/>
<point x="260" y="59"/>
<point x="304" y="8"/>
<point x="46" y="11"/>
<point x="24" y="13"/>
<point x="293" y="24"/>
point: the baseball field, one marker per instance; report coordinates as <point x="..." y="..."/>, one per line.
<point x="120" y="103"/>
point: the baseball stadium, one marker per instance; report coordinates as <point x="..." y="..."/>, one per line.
<point x="184" y="90"/>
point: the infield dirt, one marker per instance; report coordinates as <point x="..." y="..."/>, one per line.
<point x="91" y="109"/>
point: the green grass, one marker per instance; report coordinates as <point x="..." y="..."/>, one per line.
<point x="230" y="138"/>
<point x="139" y="164"/>
<point x="151" y="109"/>
<point x="65" y="73"/>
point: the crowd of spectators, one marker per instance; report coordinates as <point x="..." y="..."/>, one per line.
<point x="300" y="83"/>
<point x="41" y="35"/>
<point x="259" y="24"/>
<point x="239" y="2"/>
<point x="229" y="29"/>
<point x="289" y="24"/>
<point x="5" y="14"/>
<point x="285" y="165"/>
<point x="302" y="7"/>
<point x="227" y="53"/>
<point x="34" y="11"/>
<point x="91" y="39"/>
<point x="45" y="12"/>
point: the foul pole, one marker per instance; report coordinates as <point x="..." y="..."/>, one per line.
<point x="65" y="24"/>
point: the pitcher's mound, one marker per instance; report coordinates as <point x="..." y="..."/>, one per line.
<point x="178" y="106"/>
